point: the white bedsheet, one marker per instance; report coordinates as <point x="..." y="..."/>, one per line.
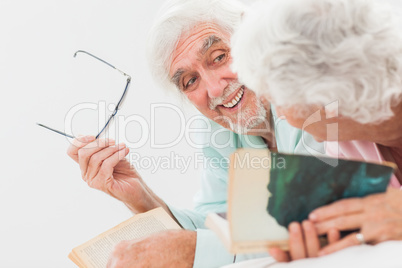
<point x="384" y="255"/>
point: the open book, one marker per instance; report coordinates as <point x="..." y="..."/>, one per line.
<point x="267" y="191"/>
<point x="95" y="252"/>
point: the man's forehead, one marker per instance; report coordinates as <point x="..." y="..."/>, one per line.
<point x="194" y="39"/>
<point x="201" y="32"/>
<point x="204" y="45"/>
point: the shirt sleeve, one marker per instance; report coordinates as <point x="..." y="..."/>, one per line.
<point x="188" y="219"/>
<point x="212" y="197"/>
<point x="210" y="252"/>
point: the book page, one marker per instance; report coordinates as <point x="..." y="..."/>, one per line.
<point x="220" y="226"/>
<point x="248" y="198"/>
<point x="95" y="253"/>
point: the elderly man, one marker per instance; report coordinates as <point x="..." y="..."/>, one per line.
<point x="189" y="51"/>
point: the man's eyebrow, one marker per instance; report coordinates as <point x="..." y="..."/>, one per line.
<point x="211" y="40"/>
<point x="176" y="77"/>
<point x="208" y="42"/>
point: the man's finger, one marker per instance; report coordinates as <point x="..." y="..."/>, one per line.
<point x="336" y="209"/>
<point x="347" y="241"/>
<point x="107" y="167"/>
<point x="342" y="223"/>
<point x="76" y="144"/>
<point x="296" y="243"/>
<point x="311" y="239"/>
<point x="97" y="159"/>
<point x="86" y="152"/>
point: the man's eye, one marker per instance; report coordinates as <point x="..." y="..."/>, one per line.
<point x="190" y="82"/>
<point x="219" y="58"/>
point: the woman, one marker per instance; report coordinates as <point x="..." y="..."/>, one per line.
<point x="334" y="69"/>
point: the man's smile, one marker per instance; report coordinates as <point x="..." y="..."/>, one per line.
<point x="234" y="100"/>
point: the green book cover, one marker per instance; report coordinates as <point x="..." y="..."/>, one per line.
<point x="299" y="184"/>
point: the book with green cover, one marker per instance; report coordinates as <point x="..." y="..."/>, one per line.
<point x="267" y="191"/>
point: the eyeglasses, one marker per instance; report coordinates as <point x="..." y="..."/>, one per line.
<point x="118" y="106"/>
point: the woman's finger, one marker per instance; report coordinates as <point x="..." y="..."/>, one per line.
<point x="347" y="241"/>
<point x="296" y="242"/>
<point x="346" y="207"/>
<point x="333" y="235"/>
<point x="311" y="240"/>
<point x="342" y="223"/>
<point x="279" y="255"/>
<point x="337" y="209"/>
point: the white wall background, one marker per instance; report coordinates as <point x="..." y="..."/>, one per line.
<point x="45" y="207"/>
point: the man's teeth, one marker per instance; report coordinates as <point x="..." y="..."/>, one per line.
<point x="235" y="100"/>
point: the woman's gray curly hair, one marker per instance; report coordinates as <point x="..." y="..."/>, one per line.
<point x="319" y="51"/>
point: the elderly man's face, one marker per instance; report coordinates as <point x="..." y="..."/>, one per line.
<point x="201" y="70"/>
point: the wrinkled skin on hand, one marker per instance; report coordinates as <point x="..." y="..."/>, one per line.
<point x="378" y="217"/>
<point x="104" y="167"/>
<point x="173" y="248"/>
<point x="303" y="242"/>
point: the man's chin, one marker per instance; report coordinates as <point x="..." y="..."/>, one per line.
<point x="255" y="127"/>
<point x="239" y="130"/>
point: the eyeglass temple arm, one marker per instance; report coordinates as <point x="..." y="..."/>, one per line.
<point x="116" y="108"/>
<point x="52" y="129"/>
<point x="99" y="59"/>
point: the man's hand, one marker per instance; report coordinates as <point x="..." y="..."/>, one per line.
<point x="303" y="242"/>
<point x="379" y="218"/>
<point x="104" y="167"/>
<point x="165" y="249"/>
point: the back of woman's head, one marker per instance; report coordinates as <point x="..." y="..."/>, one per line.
<point x="321" y="51"/>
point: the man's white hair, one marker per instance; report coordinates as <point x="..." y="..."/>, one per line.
<point x="319" y="51"/>
<point x="175" y="19"/>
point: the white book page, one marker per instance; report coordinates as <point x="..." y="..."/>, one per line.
<point x="248" y="198"/>
<point x="95" y="253"/>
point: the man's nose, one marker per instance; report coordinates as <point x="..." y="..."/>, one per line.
<point x="215" y="85"/>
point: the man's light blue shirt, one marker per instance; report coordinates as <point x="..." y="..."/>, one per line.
<point x="212" y="197"/>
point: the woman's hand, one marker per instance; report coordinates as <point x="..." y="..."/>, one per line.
<point x="303" y="242"/>
<point x="378" y="217"/>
